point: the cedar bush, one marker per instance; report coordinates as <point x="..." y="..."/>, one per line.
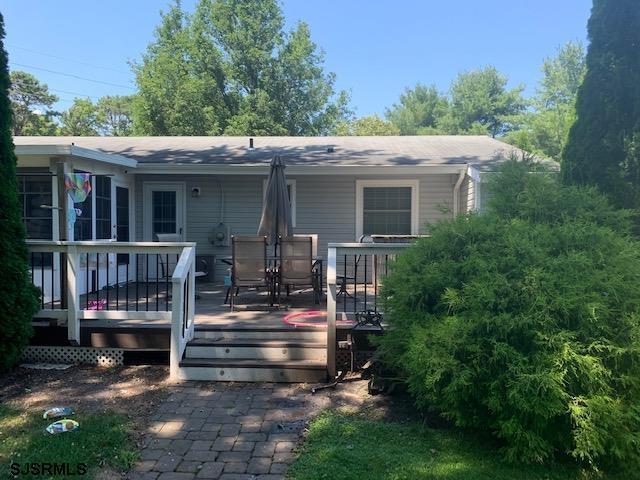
<point x="523" y="321"/>
<point x="18" y="297"/>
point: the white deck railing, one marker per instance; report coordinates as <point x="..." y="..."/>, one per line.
<point x="159" y="276"/>
<point x="354" y="274"/>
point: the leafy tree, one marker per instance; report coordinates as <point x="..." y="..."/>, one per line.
<point x="523" y="321"/>
<point x="231" y="68"/>
<point x="480" y="103"/>
<point x="181" y="79"/>
<point x="371" y="125"/>
<point x="18" y="297"/>
<point x="418" y="111"/>
<point x="545" y="129"/>
<point x="80" y="119"/>
<point x="603" y="145"/>
<point x="114" y="113"/>
<point x="31" y="104"/>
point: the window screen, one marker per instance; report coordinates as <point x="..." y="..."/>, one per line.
<point x="103" y="207"/>
<point x="82" y="228"/>
<point x="386" y="211"/>
<point x="34" y="192"/>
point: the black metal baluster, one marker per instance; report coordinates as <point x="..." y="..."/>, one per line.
<point x="355" y="283"/>
<point x="63" y="283"/>
<point x="166" y="282"/>
<point x="107" y="294"/>
<point x="42" y="279"/>
<point x="126" y="282"/>
<point x="53" y="283"/>
<point x="365" y="282"/>
<point x="86" y="297"/>
<point x="157" y="285"/>
<point x="117" y="284"/>
<point x="137" y="281"/>
<point x="97" y="280"/>
<point x="345" y="285"/>
<point x="375" y="283"/>
<point x="146" y="259"/>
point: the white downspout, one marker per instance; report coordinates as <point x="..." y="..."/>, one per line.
<point x="456" y="192"/>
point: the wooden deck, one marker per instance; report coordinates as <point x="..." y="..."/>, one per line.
<point x="296" y="312"/>
<point x="252" y="308"/>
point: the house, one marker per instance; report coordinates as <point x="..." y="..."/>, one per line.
<point x="208" y="188"/>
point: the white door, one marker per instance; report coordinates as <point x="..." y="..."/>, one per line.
<point x="164" y="212"/>
<point x="122" y="229"/>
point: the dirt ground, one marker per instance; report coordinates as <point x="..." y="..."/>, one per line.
<point x="135" y="391"/>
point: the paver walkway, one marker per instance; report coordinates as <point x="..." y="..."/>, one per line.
<point x="232" y="430"/>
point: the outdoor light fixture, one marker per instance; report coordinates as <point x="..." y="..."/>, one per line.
<point x="195" y="192"/>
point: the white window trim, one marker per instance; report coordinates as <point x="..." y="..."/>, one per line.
<point x="147" y="188"/>
<point x="415" y="203"/>
<point x="292" y="184"/>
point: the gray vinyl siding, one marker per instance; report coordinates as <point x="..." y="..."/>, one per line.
<point x="325" y="205"/>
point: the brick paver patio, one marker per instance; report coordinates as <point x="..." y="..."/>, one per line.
<point x="231" y="431"/>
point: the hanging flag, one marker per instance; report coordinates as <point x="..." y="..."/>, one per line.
<point x="78" y="186"/>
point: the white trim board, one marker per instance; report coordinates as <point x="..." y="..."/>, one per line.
<point x="415" y="200"/>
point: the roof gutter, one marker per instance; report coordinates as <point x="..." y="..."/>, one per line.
<point x="75" y="151"/>
<point x="456" y="191"/>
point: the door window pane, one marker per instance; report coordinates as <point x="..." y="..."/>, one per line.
<point x="164" y="212"/>
<point x="386" y="211"/>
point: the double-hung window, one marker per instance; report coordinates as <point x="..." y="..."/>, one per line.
<point x="386" y="207"/>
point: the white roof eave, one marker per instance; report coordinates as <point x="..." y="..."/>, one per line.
<point x="73" y="150"/>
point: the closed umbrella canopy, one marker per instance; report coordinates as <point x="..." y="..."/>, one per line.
<point x="276" y="209"/>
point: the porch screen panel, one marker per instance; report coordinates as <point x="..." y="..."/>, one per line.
<point x="103" y="207"/>
<point x="122" y="221"/>
<point x="386" y="211"/>
<point x="164" y="212"/>
<point x="34" y="192"/>
<point x="82" y="229"/>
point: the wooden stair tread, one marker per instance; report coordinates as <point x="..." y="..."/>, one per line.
<point x="253" y="363"/>
<point x="277" y="343"/>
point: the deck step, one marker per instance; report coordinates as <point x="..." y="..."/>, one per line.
<point x="308" y="334"/>
<point x="251" y="370"/>
<point x="279" y="349"/>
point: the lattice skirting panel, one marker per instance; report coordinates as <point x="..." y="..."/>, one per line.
<point x="104" y="357"/>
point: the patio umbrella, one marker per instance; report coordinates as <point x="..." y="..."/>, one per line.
<point x="276" y="209"/>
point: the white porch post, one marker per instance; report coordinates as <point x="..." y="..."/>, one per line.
<point x="331" y="311"/>
<point x="73" y="298"/>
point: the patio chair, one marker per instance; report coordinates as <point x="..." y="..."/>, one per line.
<point x="296" y="265"/>
<point x="166" y="271"/>
<point x="249" y="266"/>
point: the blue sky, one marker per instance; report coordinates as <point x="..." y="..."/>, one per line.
<point x="375" y="47"/>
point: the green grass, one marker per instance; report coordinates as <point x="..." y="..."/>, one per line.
<point x="341" y="446"/>
<point x="101" y="440"/>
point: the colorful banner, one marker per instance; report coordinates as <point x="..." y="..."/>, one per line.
<point x="78" y="186"/>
